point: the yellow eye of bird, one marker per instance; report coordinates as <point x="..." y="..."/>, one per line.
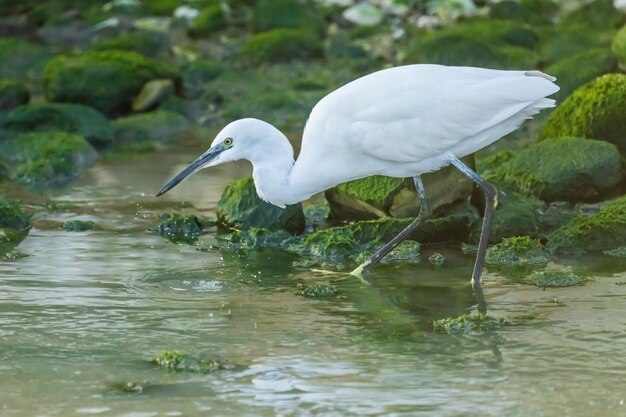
<point x="228" y="141"/>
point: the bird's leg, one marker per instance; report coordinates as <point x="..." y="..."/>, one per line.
<point x="491" y="200"/>
<point x="425" y="213"/>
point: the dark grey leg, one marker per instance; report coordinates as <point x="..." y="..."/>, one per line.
<point x="425" y="213"/>
<point x="491" y="200"/>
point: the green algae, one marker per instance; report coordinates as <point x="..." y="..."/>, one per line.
<point x="290" y="14"/>
<point x="595" y="110"/>
<point x="86" y="78"/>
<point x="597" y="232"/>
<point x="437" y="259"/>
<point x="618" y="46"/>
<point x="158" y="125"/>
<point x="280" y="45"/>
<point x="78" y="225"/>
<point x="517" y="251"/>
<point x="553" y="279"/>
<point x="175" y="360"/>
<point x="149" y="43"/>
<point x="208" y="21"/>
<point x="179" y="227"/>
<point x="12" y="216"/>
<point x="240" y="207"/>
<point x="318" y="291"/>
<point x="13" y="93"/>
<point x="467" y="323"/>
<point x="372" y="194"/>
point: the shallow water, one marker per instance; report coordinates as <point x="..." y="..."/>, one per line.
<point x="85" y="312"/>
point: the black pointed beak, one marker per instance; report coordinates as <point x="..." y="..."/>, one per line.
<point x="206" y="157"/>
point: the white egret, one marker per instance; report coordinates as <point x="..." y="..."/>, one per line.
<point x="398" y="122"/>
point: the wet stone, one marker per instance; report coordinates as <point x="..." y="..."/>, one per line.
<point x="517" y="251"/>
<point x="437" y="259"/>
<point x="179" y="228"/>
<point x="175" y="360"/>
<point x="556" y="279"/>
<point x="467" y="323"/>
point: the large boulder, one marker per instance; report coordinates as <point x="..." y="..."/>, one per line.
<point x="12" y="94"/>
<point x="22" y="59"/>
<point x="602" y="231"/>
<point x="149" y="43"/>
<point x="105" y="80"/>
<point x="70" y="118"/>
<point x="377" y="196"/>
<point x="47" y="160"/>
<point x="208" y="21"/>
<point x="565" y="169"/>
<point x="159" y="125"/>
<point x="241" y="207"/>
<point x="596" y="110"/>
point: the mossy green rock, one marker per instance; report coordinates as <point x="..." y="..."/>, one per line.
<point x="47" y="160"/>
<point x="12" y="94"/>
<point x="12" y="216"/>
<point x="598" y="15"/>
<point x="467" y="323"/>
<point x="597" y="110"/>
<point x="162" y="7"/>
<point x="78" y="225"/>
<point x="292" y="14"/>
<point x="555" y="279"/>
<point x="579" y="69"/>
<point x="86" y="78"/>
<point x="208" y="21"/>
<point x="257" y="238"/>
<point x="564" y="169"/>
<point x="241" y="207"/>
<point x="179" y="228"/>
<point x="508" y="9"/>
<point x="598" y="232"/>
<point x="149" y="43"/>
<point x="70" y="118"/>
<point x="22" y="59"/>
<point x="515" y="215"/>
<point x="517" y="251"/>
<point x="317" y="291"/>
<point x="158" y="125"/>
<point x="280" y="45"/>
<point x="540" y="11"/>
<point x="175" y="360"/>
<point x="619" y="47"/>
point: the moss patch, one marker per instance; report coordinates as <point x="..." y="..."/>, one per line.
<point x="158" y="125"/>
<point x="78" y="225"/>
<point x="12" y="216"/>
<point x="179" y="228"/>
<point x="467" y="323"/>
<point x="280" y="45"/>
<point x="317" y="291"/>
<point x="517" y="251"/>
<point x="208" y="21"/>
<point x="12" y="94"/>
<point x="619" y="47"/>
<point x="292" y="14"/>
<point x="145" y="42"/>
<point x="557" y="279"/>
<point x="175" y="360"/>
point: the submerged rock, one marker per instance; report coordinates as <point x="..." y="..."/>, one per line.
<point x="280" y="45"/>
<point x="86" y="78"/>
<point x="597" y="232"/>
<point x="175" y="360"/>
<point x="241" y="207"/>
<point x="517" y="251"/>
<point x="563" y="169"/>
<point x="12" y="217"/>
<point x="70" y="118"/>
<point x="596" y="110"/>
<point x="545" y="279"/>
<point x="13" y="93"/>
<point x="179" y="228"/>
<point x="437" y="259"/>
<point x="47" y="160"/>
<point x="78" y="225"/>
<point x="467" y="323"/>
<point x="317" y="291"/>
<point x="159" y="125"/>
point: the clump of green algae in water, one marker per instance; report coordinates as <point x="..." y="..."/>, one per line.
<point x="467" y="323"/>
<point x="317" y="291"/>
<point x="78" y="225"/>
<point x="553" y="279"/>
<point x="175" y="360"/>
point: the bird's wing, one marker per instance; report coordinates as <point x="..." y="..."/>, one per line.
<point x="417" y="112"/>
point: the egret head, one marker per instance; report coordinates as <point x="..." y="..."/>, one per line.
<point x="249" y="139"/>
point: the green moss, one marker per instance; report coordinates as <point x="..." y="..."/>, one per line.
<point x="21" y="59"/>
<point x="257" y="238"/>
<point x="579" y="69"/>
<point x="437" y="259"/>
<point x="179" y="228"/>
<point x="175" y="360"/>
<point x="598" y="14"/>
<point x="566" y="43"/>
<point x="377" y="191"/>
<point x="241" y="207"/>
<point x="317" y="291"/>
<point x="517" y="251"/>
<point x="596" y="110"/>
<point x="47" y="160"/>
<point x="292" y="14"/>
<point x="280" y="45"/>
<point x="540" y="11"/>
<point x="86" y="78"/>
<point x="145" y="42"/>
<point x="78" y="225"/>
<point x="467" y="323"/>
<point x="71" y="118"/>
<point x="162" y="7"/>
<point x="12" y="216"/>
<point x="12" y="94"/>
<point x="619" y="47"/>
<point x="208" y="21"/>
<point x="153" y="126"/>
<point x="546" y="279"/>
<point x="598" y="232"/>
<point x="617" y="252"/>
<point x="563" y="169"/>
<point x="198" y="73"/>
<point x="508" y="9"/>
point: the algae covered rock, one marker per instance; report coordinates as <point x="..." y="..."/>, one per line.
<point x="47" y="160"/>
<point x="157" y="125"/>
<point x="78" y="225"/>
<point x="149" y="43"/>
<point x="175" y="360"/>
<point x="619" y="47"/>
<point x="564" y="169"/>
<point x="70" y="118"/>
<point x="467" y="323"/>
<point x="208" y="21"/>
<point x="594" y="15"/>
<point x="291" y="14"/>
<point x="515" y="215"/>
<point x="22" y="59"/>
<point x="517" y="251"/>
<point x="280" y="45"/>
<point x="597" y="232"/>
<point x="87" y="78"/>
<point x="257" y="238"/>
<point x="241" y="207"/>
<point x="12" y="94"/>
<point x="317" y="291"/>
<point x="13" y="217"/>
<point x="179" y="228"/>
<point x="597" y="110"/>
<point x="555" y="279"/>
